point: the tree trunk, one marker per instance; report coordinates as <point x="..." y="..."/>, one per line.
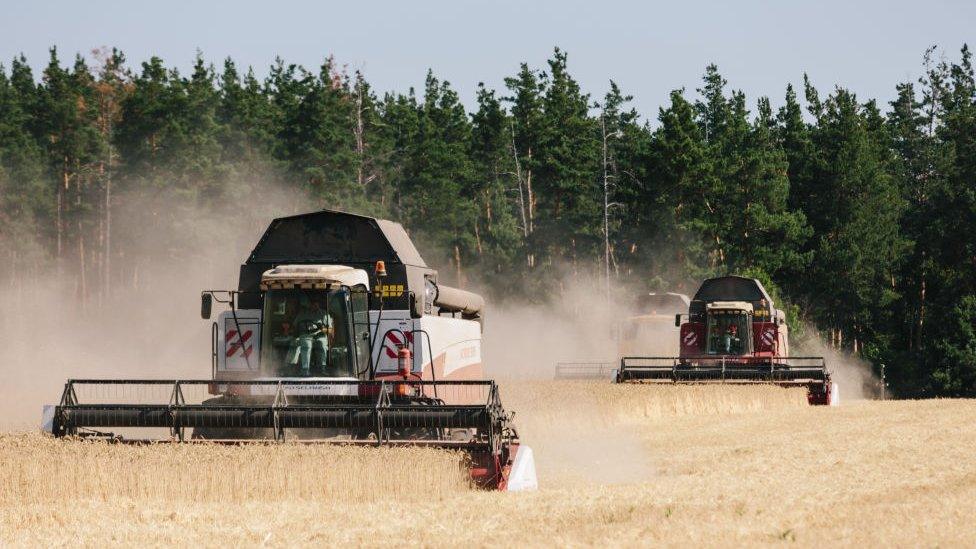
<point x="82" y="275"/>
<point x="457" y="263"/>
<point x="518" y="178"/>
<point x="62" y="189"/>
<point x="921" y="306"/>
<point x="477" y="239"/>
<point x="528" y="186"/>
<point x="107" y="251"/>
<point x="82" y="278"/>
<point x="360" y="142"/>
<point x="488" y="209"/>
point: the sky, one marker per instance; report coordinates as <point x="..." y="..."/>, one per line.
<point x="648" y="48"/>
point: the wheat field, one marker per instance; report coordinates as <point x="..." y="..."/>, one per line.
<point x="713" y="466"/>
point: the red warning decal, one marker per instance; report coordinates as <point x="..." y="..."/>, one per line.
<point x="240" y="343"/>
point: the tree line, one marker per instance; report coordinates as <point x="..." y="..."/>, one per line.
<point x="861" y="215"/>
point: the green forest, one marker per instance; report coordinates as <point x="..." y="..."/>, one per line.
<point x="861" y="216"/>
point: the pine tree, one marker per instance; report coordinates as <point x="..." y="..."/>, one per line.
<point x="526" y="126"/>
<point x="317" y="133"/>
<point x="148" y="136"/>
<point x="68" y="125"/>
<point x="244" y="116"/>
<point x="569" y="178"/>
<point x="110" y="89"/>
<point x="24" y="198"/>
<point x="767" y="234"/>
<point x="199" y="161"/>
<point x="497" y="232"/>
<point x="630" y="216"/>
<point x="399" y="131"/>
<point x="950" y="360"/>
<point x="679" y="159"/>
<point x="438" y="184"/>
<point x="372" y="149"/>
<point x="854" y="208"/>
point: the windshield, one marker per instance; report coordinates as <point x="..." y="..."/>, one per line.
<point x="728" y="333"/>
<point x="306" y="334"/>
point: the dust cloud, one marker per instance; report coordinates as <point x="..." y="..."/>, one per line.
<point x="523" y="342"/>
<point x="577" y="323"/>
<point x="853" y="376"/>
<point x="148" y="324"/>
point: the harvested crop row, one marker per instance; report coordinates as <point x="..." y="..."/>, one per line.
<point x="38" y="469"/>
<point x="630" y="404"/>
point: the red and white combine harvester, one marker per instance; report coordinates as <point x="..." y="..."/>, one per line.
<point x="338" y="332"/>
<point x="733" y="333"/>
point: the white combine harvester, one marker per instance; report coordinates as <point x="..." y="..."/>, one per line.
<point x="338" y="332"/>
<point x="648" y="330"/>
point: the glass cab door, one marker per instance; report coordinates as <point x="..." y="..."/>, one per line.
<point x="307" y="333"/>
<point x="729" y="333"/>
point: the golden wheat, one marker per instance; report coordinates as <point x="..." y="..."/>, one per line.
<point x="871" y="473"/>
<point x="599" y="402"/>
<point x="39" y="469"/>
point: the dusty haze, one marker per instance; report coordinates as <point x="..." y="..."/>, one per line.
<point x="851" y="374"/>
<point x="149" y="326"/>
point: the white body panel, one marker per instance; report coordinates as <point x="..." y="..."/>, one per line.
<point x="239" y="352"/>
<point x="457" y="340"/>
<point x="47" y="419"/>
<point x="453" y="343"/>
<point x="394" y="327"/>
<point x="522" y="476"/>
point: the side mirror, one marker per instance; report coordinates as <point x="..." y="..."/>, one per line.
<point x="206" y="303"/>
<point x="677" y="320"/>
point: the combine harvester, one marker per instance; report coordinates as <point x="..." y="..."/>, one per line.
<point x="338" y="332"/>
<point x="733" y="334"/>
<point x="649" y="330"/>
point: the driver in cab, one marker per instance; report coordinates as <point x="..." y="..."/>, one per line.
<point x="731" y="340"/>
<point x="313" y="332"/>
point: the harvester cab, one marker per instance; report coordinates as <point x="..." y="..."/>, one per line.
<point x="733" y="333"/>
<point x="314" y="322"/>
<point x="338" y="332"/>
<point x="726" y="324"/>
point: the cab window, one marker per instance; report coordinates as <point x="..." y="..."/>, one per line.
<point x="728" y="333"/>
<point x="359" y="300"/>
<point x="305" y="333"/>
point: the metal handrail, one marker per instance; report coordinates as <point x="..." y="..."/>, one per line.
<point x="583" y="369"/>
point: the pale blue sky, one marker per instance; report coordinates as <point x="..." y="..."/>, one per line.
<point x="648" y="48"/>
